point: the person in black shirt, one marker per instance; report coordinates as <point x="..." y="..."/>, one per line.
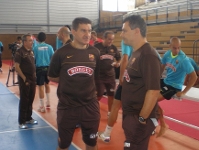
<point x="25" y="67"/>
<point x="75" y="67"/>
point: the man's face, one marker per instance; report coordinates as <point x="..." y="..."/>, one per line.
<point x="128" y="35"/>
<point x="28" y="42"/>
<point x="93" y="37"/>
<point x="175" y="47"/>
<point x="83" y="34"/>
<point x="108" y="41"/>
<point x="19" y="41"/>
<point x="59" y="34"/>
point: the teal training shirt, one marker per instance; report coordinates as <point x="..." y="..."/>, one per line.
<point x="43" y="53"/>
<point x="177" y="68"/>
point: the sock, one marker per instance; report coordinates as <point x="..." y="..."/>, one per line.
<point x="107" y="131"/>
<point x="41" y="102"/>
<point x="48" y="97"/>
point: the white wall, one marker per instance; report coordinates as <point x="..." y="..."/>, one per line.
<point x="18" y="16"/>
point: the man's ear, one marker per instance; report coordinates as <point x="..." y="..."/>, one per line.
<point x="73" y="32"/>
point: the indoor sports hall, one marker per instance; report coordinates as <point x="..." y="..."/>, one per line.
<point x="164" y="18"/>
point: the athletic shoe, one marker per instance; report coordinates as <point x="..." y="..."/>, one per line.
<point x="32" y="121"/>
<point x="48" y="104"/>
<point x="41" y="109"/>
<point x="23" y="126"/>
<point x="104" y="138"/>
<point x="176" y="97"/>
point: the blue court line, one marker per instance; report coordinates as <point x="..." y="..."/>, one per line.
<point x="37" y="137"/>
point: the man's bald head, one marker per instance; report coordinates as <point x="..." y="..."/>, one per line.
<point x="64" y="32"/>
<point x="174" y="40"/>
<point x="175" y="45"/>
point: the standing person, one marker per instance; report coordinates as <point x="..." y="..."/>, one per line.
<point x="109" y="58"/>
<point x="63" y="36"/>
<point x="43" y="53"/>
<point x="25" y="67"/>
<point x="19" y="42"/>
<point x="140" y="87"/>
<point x="75" y="67"/>
<point x="177" y="67"/>
<point x="94" y="39"/>
<point x="126" y="53"/>
<point x="1" y="50"/>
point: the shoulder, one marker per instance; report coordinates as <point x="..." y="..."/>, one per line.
<point x="94" y="50"/>
<point x="98" y="45"/>
<point x="114" y="47"/>
<point x="147" y="49"/>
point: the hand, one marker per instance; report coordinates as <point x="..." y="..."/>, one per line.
<point x="180" y="94"/>
<point x="117" y="65"/>
<point x="26" y="82"/>
<point x="142" y="122"/>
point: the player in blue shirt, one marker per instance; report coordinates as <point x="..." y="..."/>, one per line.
<point x="43" y="53"/>
<point x="177" y="66"/>
<point x="126" y="53"/>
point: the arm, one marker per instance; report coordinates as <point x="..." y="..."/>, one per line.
<point x="149" y="103"/>
<point x="191" y="82"/>
<point x="20" y="73"/>
<point x="162" y="68"/>
<point x="123" y="65"/>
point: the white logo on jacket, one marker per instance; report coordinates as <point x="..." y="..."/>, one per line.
<point x="106" y="57"/>
<point x="126" y="76"/>
<point x="79" y="70"/>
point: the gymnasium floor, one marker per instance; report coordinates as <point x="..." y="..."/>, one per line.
<point x="44" y="135"/>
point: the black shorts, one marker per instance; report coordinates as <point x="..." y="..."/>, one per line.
<point x="137" y="134"/>
<point x="109" y="85"/>
<point x="42" y="77"/>
<point x="167" y="91"/>
<point x="88" y="117"/>
<point x="118" y="92"/>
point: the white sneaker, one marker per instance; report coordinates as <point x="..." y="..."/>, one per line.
<point x="41" y="109"/>
<point x="32" y="121"/>
<point x="104" y="138"/>
<point x="48" y="104"/>
<point x="23" y="126"/>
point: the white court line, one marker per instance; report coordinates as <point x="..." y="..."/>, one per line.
<point x="46" y="121"/>
<point x="6" y="93"/>
<point x="25" y="129"/>
<point x="182" y="123"/>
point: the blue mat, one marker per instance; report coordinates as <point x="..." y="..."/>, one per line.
<point x="36" y="137"/>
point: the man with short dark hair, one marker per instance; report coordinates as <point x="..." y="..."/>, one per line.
<point x="43" y="53"/>
<point x="106" y="135"/>
<point x="141" y="85"/>
<point x="25" y="67"/>
<point x="19" y="42"/>
<point x="109" y="58"/>
<point x="75" y="67"/>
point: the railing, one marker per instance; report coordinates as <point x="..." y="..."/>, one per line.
<point x="167" y="14"/>
<point x="196" y="51"/>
